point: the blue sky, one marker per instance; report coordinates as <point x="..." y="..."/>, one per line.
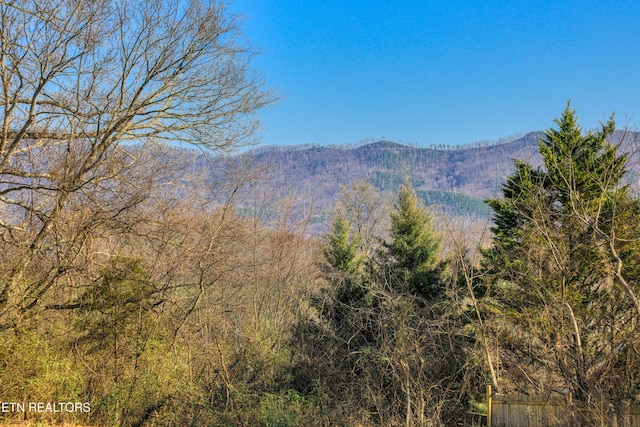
<point x="441" y="72"/>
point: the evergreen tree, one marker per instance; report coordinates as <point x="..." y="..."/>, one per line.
<point x="414" y="247"/>
<point x="552" y="279"/>
<point x="371" y="341"/>
<point x="340" y="249"/>
<point x="344" y="270"/>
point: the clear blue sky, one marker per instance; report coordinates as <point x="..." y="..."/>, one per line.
<point x="441" y="72"/>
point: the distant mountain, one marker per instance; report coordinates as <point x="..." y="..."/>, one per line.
<point x="454" y="181"/>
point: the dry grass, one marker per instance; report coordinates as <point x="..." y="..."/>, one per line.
<point x="39" y="424"/>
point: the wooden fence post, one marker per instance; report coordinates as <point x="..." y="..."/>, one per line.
<point x="489" y="404"/>
<point x="569" y="409"/>
<point x="613" y="416"/>
<point x="624" y="414"/>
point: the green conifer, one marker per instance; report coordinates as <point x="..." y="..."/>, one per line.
<point x="414" y="246"/>
<point x="341" y="250"/>
<point x="550" y="272"/>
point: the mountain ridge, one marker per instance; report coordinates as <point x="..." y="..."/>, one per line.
<point x="452" y="180"/>
<point x="382" y="162"/>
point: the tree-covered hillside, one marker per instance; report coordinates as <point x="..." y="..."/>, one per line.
<point x="452" y="181"/>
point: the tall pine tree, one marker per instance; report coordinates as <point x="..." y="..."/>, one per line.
<point x="340" y="248"/>
<point x="563" y="319"/>
<point x="414" y="246"/>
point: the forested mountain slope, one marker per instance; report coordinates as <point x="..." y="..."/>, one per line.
<point x="454" y="181"/>
<point x="475" y="171"/>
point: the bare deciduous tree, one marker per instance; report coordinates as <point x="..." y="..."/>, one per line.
<point x="86" y="86"/>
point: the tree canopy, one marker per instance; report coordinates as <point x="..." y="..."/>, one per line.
<point x="414" y="247"/>
<point x="89" y="90"/>
<point x="561" y="311"/>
